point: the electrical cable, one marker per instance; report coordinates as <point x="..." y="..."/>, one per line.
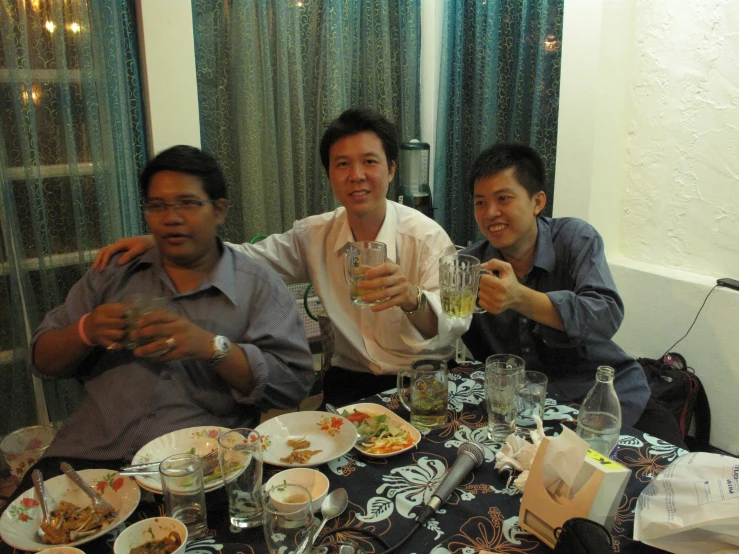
<point x="691" y="325"/>
<point x="388" y="549"/>
<point x="402" y="542"/>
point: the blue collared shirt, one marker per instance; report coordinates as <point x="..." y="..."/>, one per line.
<point x="129" y="401"/>
<point x="570" y="267"/>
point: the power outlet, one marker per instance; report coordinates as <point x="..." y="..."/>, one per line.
<point x="729" y="283"/>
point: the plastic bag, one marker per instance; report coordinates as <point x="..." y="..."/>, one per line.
<point x="692" y="507"/>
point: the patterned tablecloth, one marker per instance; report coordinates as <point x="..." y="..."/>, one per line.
<point x="482" y="514"/>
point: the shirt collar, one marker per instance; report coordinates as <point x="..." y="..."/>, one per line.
<point x="544" y="255"/>
<point x="386" y="233"/>
<point x="222" y="277"/>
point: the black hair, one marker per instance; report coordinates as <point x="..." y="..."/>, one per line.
<point x="529" y="172"/>
<point x="358" y="120"/>
<point x="188" y="160"/>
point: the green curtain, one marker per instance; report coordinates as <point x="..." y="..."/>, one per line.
<point x="500" y="66"/>
<point x="71" y="147"/>
<point x="271" y="76"/>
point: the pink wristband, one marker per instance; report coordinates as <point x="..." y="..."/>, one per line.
<point x="81" y="330"/>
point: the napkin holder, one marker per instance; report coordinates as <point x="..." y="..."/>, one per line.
<point x="599" y="485"/>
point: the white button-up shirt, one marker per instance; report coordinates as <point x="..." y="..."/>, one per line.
<point x="383" y="342"/>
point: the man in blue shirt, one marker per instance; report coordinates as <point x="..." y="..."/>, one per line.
<point x="552" y="299"/>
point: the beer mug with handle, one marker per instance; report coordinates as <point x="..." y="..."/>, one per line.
<point x="428" y="393"/>
<point x="459" y="282"/>
<point x="358" y="258"/>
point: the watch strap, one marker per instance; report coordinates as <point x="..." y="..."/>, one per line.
<point x="420" y="302"/>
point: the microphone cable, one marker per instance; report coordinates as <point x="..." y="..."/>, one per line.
<point x="388" y="549"/>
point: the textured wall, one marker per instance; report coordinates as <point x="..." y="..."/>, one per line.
<point x="681" y="204"/>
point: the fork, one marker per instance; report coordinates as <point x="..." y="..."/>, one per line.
<point x="98" y="502"/>
<point x="361" y="441"/>
<point x="152" y="468"/>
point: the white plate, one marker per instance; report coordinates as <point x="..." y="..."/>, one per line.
<point x="194" y="440"/>
<point x="21" y="519"/>
<point x="334" y="436"/>
<point x="377" y="409"/>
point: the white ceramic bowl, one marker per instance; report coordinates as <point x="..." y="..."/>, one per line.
<point x="147" y="530"/>
<point x="315" y="481"/>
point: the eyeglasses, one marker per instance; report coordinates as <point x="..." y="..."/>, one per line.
<point x="188" y="205"/>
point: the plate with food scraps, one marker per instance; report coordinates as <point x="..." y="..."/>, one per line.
<point x="199" y="441"/>
<point x="21" y="519"/>
<point x="305" y="439"/>
<point x="388" y="433"/>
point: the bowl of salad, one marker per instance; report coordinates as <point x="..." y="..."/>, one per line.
<point x="387" y="433"/>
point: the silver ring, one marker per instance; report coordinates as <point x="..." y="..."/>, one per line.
<point x="112" y="346"/>
<point x="171" y="343"/>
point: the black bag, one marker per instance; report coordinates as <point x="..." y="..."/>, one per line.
<point x="675" y="386"/>
<point x="582" y="536"/>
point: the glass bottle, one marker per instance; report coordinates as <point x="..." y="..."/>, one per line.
<point x="599" y="420"/>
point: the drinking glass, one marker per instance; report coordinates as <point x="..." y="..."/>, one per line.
<point x="502" y="375"/>
<point x="428" y="393"/>
<point x="137" y="306"/>
<point x="359" y="257"/>
<point x="531" y="398"/>
<point x="184" y="495"/>
<point x="459" y="282"/>
<point x="240" y="456"/>
<point x="288" y="519"/>
<point x="24" y="447"/>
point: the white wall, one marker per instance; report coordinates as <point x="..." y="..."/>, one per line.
<point x="648" y="151"/>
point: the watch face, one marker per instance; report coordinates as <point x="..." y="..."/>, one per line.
<point x="222" y="343"/>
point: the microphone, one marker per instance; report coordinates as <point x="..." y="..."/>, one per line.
<point x="469" y="456"/>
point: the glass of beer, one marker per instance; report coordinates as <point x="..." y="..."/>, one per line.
<point x="459" y="281"/>
<point x="428" y="393"/>
<point x="359" y="257"/>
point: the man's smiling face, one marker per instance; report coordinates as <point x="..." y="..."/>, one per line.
<point x="359" y="174"/>
<point x="506" y="214"/>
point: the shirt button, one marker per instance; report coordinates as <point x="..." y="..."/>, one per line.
<point x="526" y="350"/>
<point x="523" y="320"/>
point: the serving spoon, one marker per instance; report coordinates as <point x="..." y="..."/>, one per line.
<point x="333" y="506"/>
<point x="98" y="502"/>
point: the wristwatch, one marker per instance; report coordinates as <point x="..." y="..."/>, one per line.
<point x="421" y="303"/>
<point x="221" y="348"/>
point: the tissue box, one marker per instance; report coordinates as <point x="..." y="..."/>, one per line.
<point x="597" y="494"/>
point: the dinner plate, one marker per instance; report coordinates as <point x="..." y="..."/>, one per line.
<point x="334" y="436"/>
<point x="20" y="521"/>
<point x="194" y="440"/>
<point x="377" y="409"/>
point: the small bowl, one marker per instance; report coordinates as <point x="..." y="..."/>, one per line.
<point x="147" y="530"/>
<point x="315" y="481"/>
<point x="62" y="550"/>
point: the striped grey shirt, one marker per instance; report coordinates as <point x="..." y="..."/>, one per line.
<point x="130" y="401"/>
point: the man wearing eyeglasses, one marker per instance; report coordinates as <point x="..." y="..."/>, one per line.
<point x="229" y="344"/>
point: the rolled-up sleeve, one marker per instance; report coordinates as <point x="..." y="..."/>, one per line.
<point x="277" y="350"/>
<point x="592" y="309"/>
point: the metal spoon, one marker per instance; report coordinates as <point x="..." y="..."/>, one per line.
<point x="333" y="506"/>
<point x="38" y="485"/>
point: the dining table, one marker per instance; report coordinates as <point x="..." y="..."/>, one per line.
<point x="480" y="515"/>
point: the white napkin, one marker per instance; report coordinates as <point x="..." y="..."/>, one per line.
<point x="519" y="454"/>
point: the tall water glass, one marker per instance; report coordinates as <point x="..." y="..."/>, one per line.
<point x="531" y="398"/>
<point x="184" y="495"/>
<point x="502" y="376"/>
<point x="240" y="456"/>
<point x="359" y="257"/>
<point x="459" y="282"/>
<point x="288" y="519"/>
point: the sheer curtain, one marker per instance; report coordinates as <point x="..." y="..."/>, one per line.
<point x="500" y="64"/>
<point x="272" y="74"/>
<point x="71" y="147"/>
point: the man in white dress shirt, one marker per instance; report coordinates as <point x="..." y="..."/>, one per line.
<point x="359" y="151"/>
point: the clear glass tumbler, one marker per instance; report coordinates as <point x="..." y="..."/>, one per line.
<point x="502" y="375"/>
<point x="184" y="495"/>
<point x="240" y="456"/>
